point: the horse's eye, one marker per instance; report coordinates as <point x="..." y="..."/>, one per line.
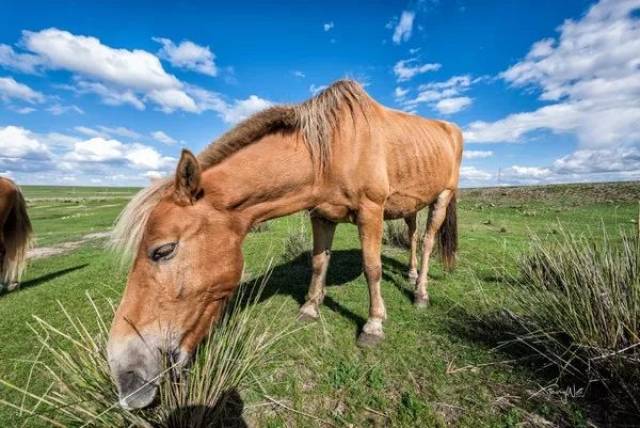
<point x="163" y="252"/>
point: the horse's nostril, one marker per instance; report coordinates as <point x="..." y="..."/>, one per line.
<point x="135" y="391"/>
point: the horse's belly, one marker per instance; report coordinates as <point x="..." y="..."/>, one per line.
<point x="405" y="203"/>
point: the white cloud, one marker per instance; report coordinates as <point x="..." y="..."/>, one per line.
<point x="59" y="109"/>
<point x="400" y="93"/>
<point x="188" y="55"/>
<point x="229" y="112"/>
<point x="531" y="172"/>
<point x="587" y="161"/>
<point x="173" y="99"/>
<point x="452" y="105"/>
<point x="111" y="151"/>
<point x="89" y="57"/>
<point x="242" y="109"/>
<point x="10" y="89"/>
<point x="109" y="95"/>
<point x="20" y="143"/>
<point x="23" y="62"/>
<point x="25" y="110"/>
<point x="299" y="74"/>
<point x="590" y="73"/>
<point x="444" y="97"/>
<point x="147" y="158"/>
<point x="471" y="173"/>
<point x="108" y="131"/>
<point x="119" y="131"/>
<point x="477" y="154"/>
<point x="404" y="27"/>
<point x="116" y="75"/>
<point x="163" y="138"/>
<point x="406" y="69"/>
<point x="328" y="26"/>
<point x="58" y="158"/>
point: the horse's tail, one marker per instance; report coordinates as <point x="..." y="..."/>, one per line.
<point x="17" y="233"/>
<point x="448" y="236"/>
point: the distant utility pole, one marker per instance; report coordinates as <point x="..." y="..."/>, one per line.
<point x="499" y="173"/>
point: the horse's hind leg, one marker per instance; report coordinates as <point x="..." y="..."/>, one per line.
<point x="413" y="238"/>
<point x="323" y="231"/>
<point x="437" y="214"/>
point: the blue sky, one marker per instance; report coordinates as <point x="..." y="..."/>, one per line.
<point x="106" y="93"/>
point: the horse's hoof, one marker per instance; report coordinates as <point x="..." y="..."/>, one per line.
<point x="13" y="286"/>
<point x="421" y="302"/>
<point x="308" y="314"/>
<point x="366" y="340"/>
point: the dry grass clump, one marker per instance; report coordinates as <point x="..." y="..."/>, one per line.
<point x="580" y="311"/>
<point x="396" y="232"/>
<point x="297" y="242"/>
<point x="80" y="391"/>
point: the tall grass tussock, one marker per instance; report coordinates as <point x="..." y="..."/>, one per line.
<point x="81" y="393"/>
<point x="579" y="309"/>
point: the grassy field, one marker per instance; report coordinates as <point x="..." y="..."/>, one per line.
<point x="433" y="369"/>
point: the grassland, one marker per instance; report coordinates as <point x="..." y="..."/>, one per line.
<point x="433" y="369"/>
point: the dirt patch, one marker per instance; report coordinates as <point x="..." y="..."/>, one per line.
<point x="64" y="247"/>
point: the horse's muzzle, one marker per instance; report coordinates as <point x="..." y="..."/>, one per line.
<point x="136" y="369"/>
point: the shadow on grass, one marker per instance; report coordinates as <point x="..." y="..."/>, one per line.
<point x="228" y="413"/>
<point x="501" y="332"/>
<point x="292" y="278"/>
<point x="34" y="282"/>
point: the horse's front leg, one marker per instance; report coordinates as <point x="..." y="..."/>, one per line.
<point x="323" y="231"/>
<point x="370" y="228"/>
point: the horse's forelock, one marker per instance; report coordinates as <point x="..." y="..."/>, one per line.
<point x="132" y="221"/>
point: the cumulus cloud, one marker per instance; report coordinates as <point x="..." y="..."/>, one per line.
<point x="20" y="143"/>
<point x="109" y="95"/>
<point x="118" y="76"/>
<point x="111" y="151"/>
<point x="404" y="27"/>
<point x="229" y="111"/>
<point x="23" y="62"/>
<point x="242" y="109"/>
<point x="406" y="69"/>
<point x="163" y="138"/>
<point x="590" y="74"/>
<point x="477" y="154"/>
<point x="188" y="55"/>
<point x="10" y="89"/>
<point x="90" y="57"/>
<point x="58" y="158"/>
<point x="328" y="26"/>
<point x="589" y="161"/>
<point x="58" y="109"/>
<point x="452" y="105"/>
<point x="445" y="97"/>
<point x="399" y="93"/>
<point x="473" y="174"/>
<point x="108" y="131"/>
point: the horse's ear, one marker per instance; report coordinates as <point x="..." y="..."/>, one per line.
<point x="188" y="175"/>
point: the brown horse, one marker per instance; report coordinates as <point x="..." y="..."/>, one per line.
<point x="15" y="234"/>
<point x="340" y="155"/>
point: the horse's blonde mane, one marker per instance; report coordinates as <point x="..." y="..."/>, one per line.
<point x="17" y="233"/>
<point x="316" y="120"/>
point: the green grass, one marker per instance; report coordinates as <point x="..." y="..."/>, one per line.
<point x="429" y="371"/>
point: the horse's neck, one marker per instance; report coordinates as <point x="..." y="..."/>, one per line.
<point x="271" y="178"/>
